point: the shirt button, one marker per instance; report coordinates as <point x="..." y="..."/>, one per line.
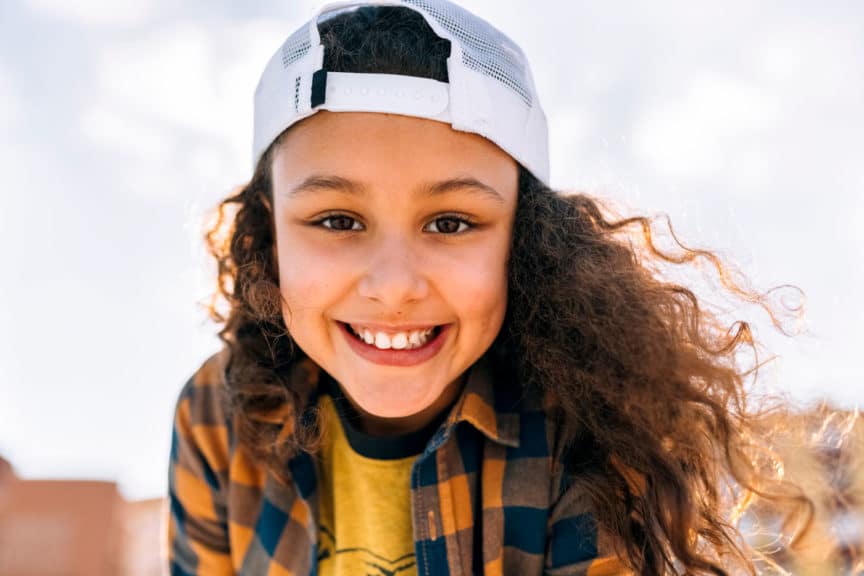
<point x="433" y="530"/>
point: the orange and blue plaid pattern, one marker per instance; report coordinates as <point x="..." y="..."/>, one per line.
<point x="487" y="493"/>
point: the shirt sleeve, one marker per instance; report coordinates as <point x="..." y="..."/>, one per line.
<point x="576" y="544"/>
<point x="197" y="483"/>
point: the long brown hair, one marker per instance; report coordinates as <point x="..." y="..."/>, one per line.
<point x="647" y="380"/>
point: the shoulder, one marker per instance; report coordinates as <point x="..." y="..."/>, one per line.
<point x="201" y="420"/>
<point x="203" y="397"/>
<point x="578" y="542"/>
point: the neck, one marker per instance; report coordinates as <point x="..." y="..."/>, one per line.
<point x="390" y="427"/>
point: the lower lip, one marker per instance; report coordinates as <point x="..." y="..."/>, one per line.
<point x="396" y="357"/>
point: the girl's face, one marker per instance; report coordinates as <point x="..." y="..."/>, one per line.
<point x="388" y="227"/>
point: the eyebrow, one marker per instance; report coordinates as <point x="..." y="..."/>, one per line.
<point x="320" y="183"/>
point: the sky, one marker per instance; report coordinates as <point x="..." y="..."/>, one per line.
<point x="124" y="122"/>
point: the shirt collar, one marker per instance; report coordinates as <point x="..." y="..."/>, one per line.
<point x="477" y="406"/>
<point x="482" y="404"/>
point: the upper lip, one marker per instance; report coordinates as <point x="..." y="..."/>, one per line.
<point x="392" y="327"/>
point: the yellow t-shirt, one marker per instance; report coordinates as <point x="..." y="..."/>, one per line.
<point x="364" y="500"/>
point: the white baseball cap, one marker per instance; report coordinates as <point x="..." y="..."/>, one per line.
<point x="490" y="90"/>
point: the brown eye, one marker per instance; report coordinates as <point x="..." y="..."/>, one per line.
<point x="450" y="225"/>
<point x="340" y="223"/>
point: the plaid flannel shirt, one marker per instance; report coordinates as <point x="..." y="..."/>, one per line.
<point x="487" y="493"/>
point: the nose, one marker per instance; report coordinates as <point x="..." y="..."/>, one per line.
<point x="395" y="275"/>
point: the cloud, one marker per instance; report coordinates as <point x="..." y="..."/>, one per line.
<point x="13" y="154"/>
<point x="10" y="155"/>
<point x="695" y="135"/>
<point x="751" y="144"/>
<point x="178" y="101"/>
<point x="7" y="98"/>
<point x="8" y="115"/>
<point x="98" y="12"/>
<point x="801" y="86"/>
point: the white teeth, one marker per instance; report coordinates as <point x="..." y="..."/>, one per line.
<point x="397" y="341"/>
<point x="400" y="341"/>
<point x="382" y="341"/>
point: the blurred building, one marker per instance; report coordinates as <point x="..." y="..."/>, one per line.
<point x="143" y="553"/>
<point x="72" y="528"/>
<point x="7" y="474"/>
<point x="50" y="528"/>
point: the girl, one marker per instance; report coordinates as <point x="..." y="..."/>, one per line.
<point x="434" y="363"/>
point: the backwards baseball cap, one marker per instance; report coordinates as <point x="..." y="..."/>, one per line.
<point x="490" y="90"/>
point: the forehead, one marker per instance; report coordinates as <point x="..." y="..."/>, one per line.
<point x="389" y="149"/>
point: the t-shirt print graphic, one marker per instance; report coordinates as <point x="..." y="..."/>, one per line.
<point x="360" y="560"/>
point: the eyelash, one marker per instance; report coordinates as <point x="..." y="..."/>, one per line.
<point x="461" y="219"/>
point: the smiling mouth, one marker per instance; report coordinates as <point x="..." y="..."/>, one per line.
<point x="408" y="340"/>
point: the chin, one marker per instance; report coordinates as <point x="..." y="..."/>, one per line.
<point x="392" y="403"/>
<point x="386" y="408"/>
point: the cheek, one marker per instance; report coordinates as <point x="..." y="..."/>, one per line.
<point x="477" y="288"/>
<point x="487" y="302"/>
<point x="299" y="280"/>
<point x="308" y="279"/>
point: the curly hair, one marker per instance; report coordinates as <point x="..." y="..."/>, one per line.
<point x="645" y="377"/>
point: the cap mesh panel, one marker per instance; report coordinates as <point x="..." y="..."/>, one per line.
<point x="296" y="47"/>
<point x="484" y="49"/>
